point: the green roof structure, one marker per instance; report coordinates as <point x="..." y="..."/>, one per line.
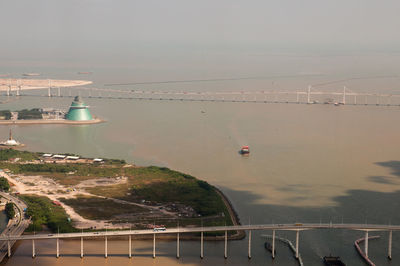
<point x="78" y="111"/>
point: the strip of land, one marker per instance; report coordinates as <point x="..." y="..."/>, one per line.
<point x="32" y="84"/>
<point x="50" y="121"/>
<point x="110" y="194"/>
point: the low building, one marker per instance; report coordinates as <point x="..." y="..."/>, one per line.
<point x="74" y="158"/>
<point x="58" y="156"/>
<point x="98" y="160"/>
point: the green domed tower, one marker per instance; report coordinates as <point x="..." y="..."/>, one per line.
<point x="78" y="111"/>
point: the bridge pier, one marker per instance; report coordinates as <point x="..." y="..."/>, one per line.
<point x="58" y="248"/>
<point x="81" y="247"/>
<point x="8" y="90"/>
<point x="273" y="244"/>
<point x="130" y="246"/>
<point x="390" y="245"/>
<point x="366" y="244"/>
<point x="154" y="246"/>
<point x="202" y="245"/>
<point x="8" y="248"/>
<point x="344" y="95"/>
<point x="105" y="247"/>
<point x="177" y="246"/>
<point x="33" y="248"/>
<point x="297" y="243"/>
<point x="226" y="245"/>
<point x="249" y="250"/>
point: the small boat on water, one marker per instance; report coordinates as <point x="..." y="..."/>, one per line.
<point x="268" y="247"/>
<point x="333" y="261"/>
<point x="244" y="150"/>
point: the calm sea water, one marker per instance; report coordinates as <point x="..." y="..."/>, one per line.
<point x="308" y="163"/>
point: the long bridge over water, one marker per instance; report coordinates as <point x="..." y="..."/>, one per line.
<point x="19" y="87"/>
<point x="297" y="228"/>
<point x="308" y="96"/>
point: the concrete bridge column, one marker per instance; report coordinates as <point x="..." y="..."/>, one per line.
<point x="344" y="95"/>
<point x="130" y="246"/>
<point x="105" y="247"/>
<point x="33" y="248"/>
<point x="8" y="248"/>
<point x="390" y="245"/>
<point x="297" y="244"/>
<point x="273" y="244"/>
<point x="19" y="91"/>
<point x="58" y="249"/>
<point x="81" y="247"/>
<point x="8" y="90"/>
<point x="366" y="244"/>
<point x="226" y="245"/>
<point x="154" y="246"/>
<point x="177" y="246"/>
<point x="249" y="249"/>
<point x="201" y="245"/>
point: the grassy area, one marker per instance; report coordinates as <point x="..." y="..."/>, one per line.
<point x="99" y="209"/>
<point x="45" y="213"/>
<point x="155" y="185"/>
<point x="7" y="154"/>
<point x="162" y="185"/>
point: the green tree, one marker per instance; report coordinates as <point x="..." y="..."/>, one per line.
<point x="4" y="185"/>
<point x="10" y="212"/>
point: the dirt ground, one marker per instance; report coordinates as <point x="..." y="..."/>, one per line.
<point x="42" y="186"/>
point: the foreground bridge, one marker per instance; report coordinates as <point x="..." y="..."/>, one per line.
<point x="297" y="227"/>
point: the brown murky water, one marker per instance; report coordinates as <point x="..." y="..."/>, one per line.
<point x="308" y="163"/>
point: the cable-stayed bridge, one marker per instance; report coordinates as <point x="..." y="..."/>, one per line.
<point x="308" y="96"/>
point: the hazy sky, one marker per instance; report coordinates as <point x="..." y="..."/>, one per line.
<point x="177" y="39"/>
<point x="307" y="23"/>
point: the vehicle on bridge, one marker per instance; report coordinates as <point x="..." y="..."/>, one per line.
<point x="157" y="229"/>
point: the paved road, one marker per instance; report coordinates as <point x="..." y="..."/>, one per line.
<point x="15" y="226"/>
<point x="282" y="227"/>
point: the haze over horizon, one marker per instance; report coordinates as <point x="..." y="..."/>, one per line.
<point x="46" y="29"/>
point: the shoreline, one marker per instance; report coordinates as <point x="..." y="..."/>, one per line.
<point x="44" y="122"/>
<point x="20" y="187"/>
<point x="237" y="235"/>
